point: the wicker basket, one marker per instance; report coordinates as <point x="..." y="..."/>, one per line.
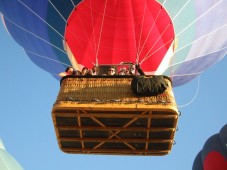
<point x="101" y="115"/>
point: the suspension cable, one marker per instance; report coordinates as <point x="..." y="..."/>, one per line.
<point x="57" y="10"/>
<point x="164" y="2"/>
<point x="181" y="10"/>
<point x="199" y="17"/>
<point x="187" y="45"/>
<point x="144" y="59"/>
<point x="147" y="55"/>
<point x="34" y="35"/>
<point x="86" y="33"/>
<point x="179" y="50"/>
<point x="93" y="29"/>
<point x="194" y="22"/>
<point x="73" y="3"/>
<point x="194" y="42"/>
<point x="44" y="57"/>
<point x="150" y="32"/>
<point x="205" y="55"/>
<point x="41" y="18"/>
<point x="194" y="97"/>
<point x="189" y="74"/>
<point x="201" y="72"/>
<point x="141" y="30"/>
<point x="204" y="36"/>
<point x="100" y="35"/>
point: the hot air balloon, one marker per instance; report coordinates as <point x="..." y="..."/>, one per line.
<point x="7" y="162"/>
<point x="100" y="114"/>
<point x="214" y="153"/>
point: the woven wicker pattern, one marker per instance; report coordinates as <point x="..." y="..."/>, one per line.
<point x="101" y="115"/>
<point x="107" y="90"/>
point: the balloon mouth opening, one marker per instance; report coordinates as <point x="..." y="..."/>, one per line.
<point x="110" y="32"/>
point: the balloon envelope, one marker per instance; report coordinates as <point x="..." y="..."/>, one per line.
<point x="213" y="156"/>
<point x="7" y="162"/>
<point x="177" y="39"/>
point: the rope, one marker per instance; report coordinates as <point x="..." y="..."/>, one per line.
<point x="199" y="17"/>
<point x="54" y="74"/>
<point x="38" y="55"/>
<point x="205" y="55"/>
<point x="57" y="10"/>
<point x="194" y="42"/>
<point x="156" y="51"/>
<point x="96" y="56"/>
<point x="86" y="33"/>
<point x="164" y="2"/>
<point x="198" y="84"/>
<point x="181" y="10"/>
<point x="137" y="55"/>
<point x="150" y="32"/>
<point x="82" y="39"/>
<point x="187" y="27"/>
<point x="34" y="35"/>
<point x="193" y="23"/>
<point x="147" y="55"/>
<point x="73" y="3"/>
<point x="204" y="36"/>
<point x="132" y="17"/>
<point x="171" y="60"/>
<point x="93" y="29"/>
<point x="196" y="94"/>
<point x="183" y="75"/>
<point x="40" y="18"/>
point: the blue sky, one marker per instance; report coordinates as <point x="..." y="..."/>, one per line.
<point x="26" y="128"/>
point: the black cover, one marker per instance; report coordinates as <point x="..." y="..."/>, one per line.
<point x="148" y="86"/>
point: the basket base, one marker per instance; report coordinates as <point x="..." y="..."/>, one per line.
<point x="101" y="129"/>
